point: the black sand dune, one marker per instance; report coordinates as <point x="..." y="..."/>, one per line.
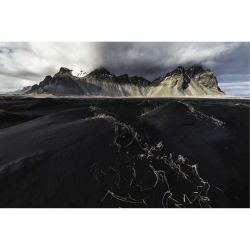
<point x="124" y="152"/>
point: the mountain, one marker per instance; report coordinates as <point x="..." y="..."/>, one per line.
<point x="21" y="91"/>
<point x="193" y="81"/>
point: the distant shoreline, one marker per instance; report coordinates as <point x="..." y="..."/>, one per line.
<point x="129" y="97"/>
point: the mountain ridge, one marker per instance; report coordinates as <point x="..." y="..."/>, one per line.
<point x="192" y="81"/>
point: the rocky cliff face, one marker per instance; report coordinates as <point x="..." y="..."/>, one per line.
<point x="194" y="81"/>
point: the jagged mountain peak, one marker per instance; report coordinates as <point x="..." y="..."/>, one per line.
<point x="191" y="71"/>
<point x="47" y="78"/>
<point x="99" y="71"/>
<point x="64" y="72"/>
<point x="46" y="81"/>
<point x="123" y="78"/>
<point x="196" y="69"/>
<point x="102" y="74"/>
<point x="139" y="80"/>
<point x="186" y="72"/>
<point x="178" y="70"/>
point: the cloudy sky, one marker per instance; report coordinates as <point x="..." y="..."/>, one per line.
<point x="24" y="63"/>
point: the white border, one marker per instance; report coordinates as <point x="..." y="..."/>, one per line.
<point x="130" y="20"/>
<point x="194" y="229"/>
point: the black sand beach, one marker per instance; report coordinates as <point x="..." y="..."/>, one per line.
<point x="72" y="152"/>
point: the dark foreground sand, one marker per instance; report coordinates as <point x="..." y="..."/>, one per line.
<point x="124" y="152"/>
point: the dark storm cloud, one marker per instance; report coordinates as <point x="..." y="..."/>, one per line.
<point x="27" y="63"/>
<point x="234" y="66"/>
<point x="154" y="59"/>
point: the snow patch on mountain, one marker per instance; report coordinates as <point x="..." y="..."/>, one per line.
<point x="80" y="73"/>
